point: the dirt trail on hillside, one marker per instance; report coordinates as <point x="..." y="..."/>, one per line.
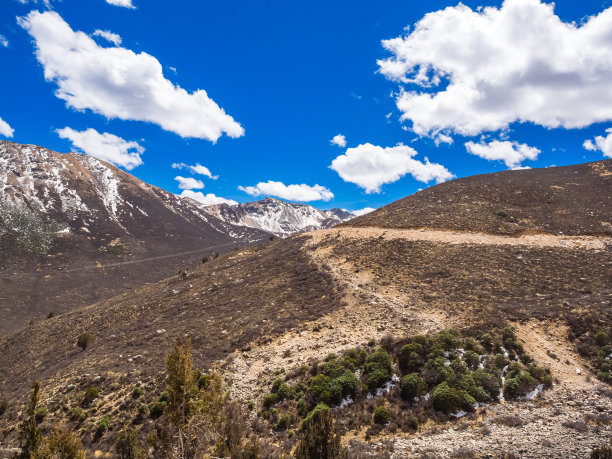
<point x="371" y="312"/>
<point x="464" y="237"/>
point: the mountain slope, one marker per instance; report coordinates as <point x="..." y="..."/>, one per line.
<point x="570" y="200"/>
<point x="105" y="216"/>
<point x="281" y="309"/>
<point x="278" y="217"/>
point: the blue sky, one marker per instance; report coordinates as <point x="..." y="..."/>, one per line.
<point x="518" y="85"/>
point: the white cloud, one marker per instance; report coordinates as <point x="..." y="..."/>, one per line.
<point x="124" y="3"/>
<point x="511" y="153"/>
<point x="370" y="166"/>
<point x="197" y="169"/>
<point x="118" y="83"/>
<point x="207" y="199"/>
<point x="3" y="41"/>
<point x="339" y="140"/>
<point x="443" y="138"/>
<point x="603" y="144"/>
<point x="365" y="210"/>
<point x="303" y="193"/>
<point x="189" y="183"/>
<point x="107" y="147"/>
<point x="109" y="36"/>
<point x="475" y="71"/>
<point x="5" y="129"/>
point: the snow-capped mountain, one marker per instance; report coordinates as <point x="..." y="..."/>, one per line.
<point x="278" y="217"/>
<point x="99" y="201"/>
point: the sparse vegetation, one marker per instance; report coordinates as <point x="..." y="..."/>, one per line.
<point x="25" y="230"/>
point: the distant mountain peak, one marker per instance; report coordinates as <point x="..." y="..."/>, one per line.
<point x="278" y="217"/>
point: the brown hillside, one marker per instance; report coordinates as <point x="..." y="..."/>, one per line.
<point x="278" y="310"/>
<point x="569" y="200"/>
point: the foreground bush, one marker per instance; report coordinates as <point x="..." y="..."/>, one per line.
<point x="320" y="440"/>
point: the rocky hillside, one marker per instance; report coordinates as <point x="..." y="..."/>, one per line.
<point x="424" y="342"/>
<point x="67" y="217"/>
<point x="278" y="217"/>
<point x="557" y="200"/>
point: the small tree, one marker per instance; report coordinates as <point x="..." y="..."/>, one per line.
<point x="320" y="439"/>
<point x="29" y="435"/>
<point x="128" y="445"/>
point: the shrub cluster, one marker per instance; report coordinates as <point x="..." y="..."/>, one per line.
<point x="604" y="356"/>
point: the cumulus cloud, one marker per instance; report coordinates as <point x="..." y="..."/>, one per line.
<point x="5" y="129"/>
<point x="124" y="3"/>
<point x="511" y="153"/>
<point x="105" y="146"/>
<point x="108" y="36"/>
<point x="189" y="183"/>
<point x="474" y="71"/>
<point x="370" y="166"/>
<point x="118" y="83"/>
<point x="197" y="169"/>
<point x="339" y="140"/>
<point x="3" y="41"/>
<point x="443" y="138"/>
<point x="207" y="199"/>
<point x="365" y="210"/>
<point x="303" y="193"/>
<point x="601" y="143"/>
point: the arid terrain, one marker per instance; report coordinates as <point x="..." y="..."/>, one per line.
<point x="279" y="309"/>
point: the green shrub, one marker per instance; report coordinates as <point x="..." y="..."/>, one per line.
<point x="472" y="359"/>
<point x="446" y="398"/>
<point x="89" y="396"/>
<point x="3" y="406"/>
<point x="379" y="359"/>
<point x="269" y="400"/>
<point x="412" y="386"/>
<point x="137" y="392"/>
<point x="284" y="422"/>
<point x="487" y="341"/>
<point x="500" y="361"/>
<point x="489" y="382"/>
<point x="165" y="397"/>
<point x="156" y="409"/>
<point x="511" y="387"/>
<point x="103" y="425"/>
<point x="601" y="338"/>
<point x="84" y="340"/>
<point x="77" y="414"/>
<point x="449" y="339"/>
<point x="377" y="378"/>
<point x="143" y="409"/>
<point x="381" y="415"/>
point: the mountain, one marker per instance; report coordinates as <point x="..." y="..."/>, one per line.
<point x="67" y="217"/>
<point x="570" y="200"/>
<point x="278" y="217"/>
<point x="449" y="340"/>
